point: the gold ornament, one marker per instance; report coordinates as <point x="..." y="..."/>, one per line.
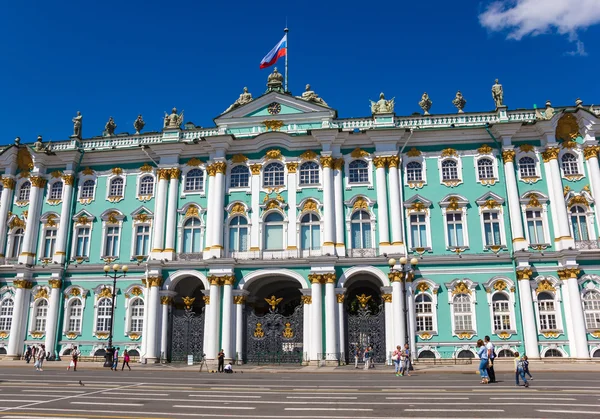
<point x="485" y="149"/>
<point x="174" y="173"/>
<point x="238" y="208"/>
<point x="24" y="160"/>
<point x="500" y="285"/>
<point x="465" y="335"/>
<point x="461" y="288"/>
<point x="21" y="283"/>
<point x="551" y="153"/>
<point x="363" y="299"/>
<point x="258" y="331"/>
<point x="192" y="211"/>
<point x="255" y="168"/>
<point x="413" y="152"/>
<point x="508" y="156"/>
<point x="274" y="154"/>
<point x="307" y="299"/>
<point x="338" y="163"/>
<point x="504" y="335"/>
<point x="545" y="285"/>
<point x="591" y="152"/>
<point x="526" y="148"/>
<point x="166" y="300"/>
<point x="220" y="167"/>
<point x="393" y="161"/>
<point x="54" y="283"/>
<point x="206" y="299"/>
<point x="194" y="162"/>
<point x="326" y="161"/>
<point x="423" y="287"/>
<point x="425" y="336"/>
<point x="163" y="174"/>
<point x="273" y="301"/>
<point x="380" y="162"/>
<point x="533" y="202"/>
<point x="340" y="298"/>
<point x="567" y="128"/>
<point x="524" y="274"/>
<point x="387" y="298"/>
<point x="453" y="203"/>
<point x="449" y="152"/>
<point x="550" y="335"/>
<point x="578" y="200"/>
<point x="239" y="158"/>
<point x="117" y="171"/>
<point x="310" y="205"/>
<point x="146" y="168"/>
<point x="239" y="299"/>
<point x="360" y="203"/>
<point x="273" y="124"/>
<point x="8" y="183"/>
<point x="188" y="302"/>
<point x="308" y="155"/>
<point x="105" y="293"/>
<point x="38" y="182"/>
<point x="292" y="167"/>
<point x="288" y="333"/>
<point x="42" y="293"/>
<point x="87" y="171"/>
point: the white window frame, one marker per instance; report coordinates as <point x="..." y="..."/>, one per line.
<point x="508" y="291"/>
<point x="182" y="222"/>
<point x="284" y="222"/>
<point x="97" y="315"/>
<point x="462" y="203"/>
<point x="410" y="210"/>
<point x="22" y="202"/>
<point x="8" y="316"/>
<point x="138" y="186"/>
<point x="432" y="292"/>
<point x="579" y="164"/>
<point x="451" y="182"/>
<point x="230" y="169"/>
<point x="76" y="227"/>
<point x="109" y="182"/>
<point x="230" y="251"/>
<point x="367" y="169"/>
<point x="82" y="180"/>
<point x="349" y="159"/>
<point x="129" y="305"/>
<point x="82" y="293"/>
<point x="543" y="208"/>
<point x="538" y="170"/>
<point x="68" y="315"/>
<point x="262" y="175"/>
<point x="319" y="224"/>
<point x="413" y="184"/>
<point x="319" y="170"/>
<point x="106" y="224"/>
<point x="472" y="297"/>
<point x="33" y="318"/>
<point x="557" y="303"/>
<point x="11" y="243"/>
<point x="494" y="178"/>
<point x="589" y="220"/>
<point x="498" y="209"/>
<point x="371" y="231"/>
<point x="184" y="174"/>
<point x="595" y="311"/>
<point x="55" y="201"/>
<point x="45" y="229"/>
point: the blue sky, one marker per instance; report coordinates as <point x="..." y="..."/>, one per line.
<point x="124" y="58"/>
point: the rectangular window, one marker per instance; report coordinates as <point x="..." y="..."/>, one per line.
<point x="111" y="247"/>
<point x="273" y="237"/>
<point x="238" y="239"/>
<point x="83" y="242"/>
<point x="418" y="230"/>
<point x="424" y="323"/>
<point x="491" y="227"/>
<point x="142" y="240"/>
<point x="455" y="229"/>
<point x="592" y="321"/>
<point x="535" y="227"/>
<point x="49" y="242"/>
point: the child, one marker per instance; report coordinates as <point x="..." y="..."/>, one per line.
<point x="526" y="367"/>
<point x="228" y="369"/>
<point x="519" y="370"/>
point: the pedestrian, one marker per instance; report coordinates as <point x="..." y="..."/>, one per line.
<point x="115" y="359"/>
<point x="491" y="356"/>
<point x="221" y="359"/>
<point x="357" y="353"/>
<point x="74" y="359"/>
<point x="34" y="353"/>
<point x="397" y="358"/>
<point x="228" y="368"/>
<point x="405" y="361"/>
<point x="40" y="359"/>
<point x="371" y="357"/>
<point x="526" y="367"/>
<point x="125" y="360"/>
<point x="28" y="354"/>
<point x="366" y="358"/>
<point x="519" y="370"/>
<point x="483" y="361"/>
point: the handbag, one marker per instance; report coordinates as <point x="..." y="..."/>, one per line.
<point x="72" y="364"/>
<point x="395" y="357"/>
<point x="36" y="364"/>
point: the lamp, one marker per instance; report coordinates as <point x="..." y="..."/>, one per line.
<point x="108" y="360"/>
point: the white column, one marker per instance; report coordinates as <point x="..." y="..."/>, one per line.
<point x="338" y="186"/>
<point x="153" y="284"/>
<point x="390" y="345"/>
<point x="206" y="338"/>
<point x="227" y="324"/>
<point x="255" y="200"/>
<point x="340" y="320"/>
<point x="306" y="329"/>
<point x="514" y="206"/>
<point x="213" y="319"/>
<point x="19" y="319"/>
<point x="171" y="226"/>
<point x="65" y="219"/>
<point x="395" y="205"/>
<point x="383" y="221"/>
<point x="591" y="157"/>
<point x="165" y="304"/>
<point x="216" y="207"/>
<point x="398" y="309"/>
<point x="52" y="316"/>
<point x="208" y="228"/>
<point x="316" y="311"/>
<point x="557" y="201"/>
<point x="328" y="207"/>
<point x="8" y="184"/>
<point x="240" y="302"/>
<point x="529" y="327"/>
<point x="579" y="343"/>
<point x="27" y="256"/>
<point x="412" y="334"/>
<point x="331" y="332"/>
<point x="292" y="245"/>
<point x="160" y="208"/>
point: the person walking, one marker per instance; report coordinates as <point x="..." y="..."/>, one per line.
<point x="371" y="357"/>
<point x="40" y="359"/>
<point x="519" y="370"/>
<point x="34" y="353"/>
<point x="28" y="354"/>
<point x="397" y="358"/>
<point x="482" y="352"/>
<point x="74" y="359"/>
<point x="125" y="360"/>
<point x="526" y="367"/>
<point x="405" y="361"/>
<point x="366" y="358"/>
<point x="221" y="359"/>
<point x="357" y="353"/>
<point x="115" y="364"/>
<point x="491" y="356"/>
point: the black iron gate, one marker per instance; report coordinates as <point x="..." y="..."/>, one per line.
<point x="274" y="338"/>
<point x="187" y="335"/>
<point x="366" y="328"/>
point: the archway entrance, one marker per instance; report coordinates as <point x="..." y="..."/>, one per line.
<point x="187" y="321"/>
<point x="274" y="321"/>
<point x="365" y="318"/>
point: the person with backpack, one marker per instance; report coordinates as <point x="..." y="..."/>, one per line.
<point x="519" y="370"/>
<point x="526" y="367"/>
<point x="491" y="356"/>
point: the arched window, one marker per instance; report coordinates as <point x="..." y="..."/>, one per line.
<point x="527" y="167"/>
<point x="238" y="234"/>
<point x="547" y="311"/>
<point x="449" y="170"/>
<point x="273" y="175"/>
<point x="553" y="353"/>
<point x="360" y="230"/>
<point x="596" y="354"/>
<point x="418" y="230"/>
<point x="100" y="352"/>
<point x="146" y="185"/>
<point x="41" y="312"/>
<point x="137" y="316"/>
<point x="426" y="354"/>
<point x="111" y="245"/>
<point x="506" y="353"/>
<point x="25" y="191"/>
<point x="424" y="310"/>
<point x="591" y="307"/>
<point x="104" y="312"/>
<point x="192" y="235"/>
<point x="49" y="241"/>
<point x="569" y="164"/>
<point x="87" y="189"/>
<point x="116" y="187"/>
<point x="194" y="181"/>
<point x="309" y="173"/>
<point x="6" y="314"/>
<point x="579" y="223"/>
<point x="501" y="308"/>
<point x="16" y="242"/>
<point x="535" y="227"/>
<point x="239" y="177"/>
<point x="465" y="354"/>
<point x="485" y="168"/>
<point x="310" y="232"/>
<point x="56" y="191"/>
<point x="414" y="171"/>
<point x="273" y="227"/>
<point x="75" y="315"/>
<point x="463" y="313"/>
<point x="133" y="353"/>
<point x="358" y="171"/>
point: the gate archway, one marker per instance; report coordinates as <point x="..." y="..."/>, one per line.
<point x="187" y="321"/>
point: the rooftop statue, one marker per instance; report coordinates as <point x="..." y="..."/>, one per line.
<point x="109" y="128"/>
<point x="498" y="94"/>
<point x="547" y="114"/>
<point x="275" y="81"/>
<point x="173" y="120"/>
<point x="38" y="145"/>
<point x="311" y="96"/>
<point x="139" y="124"/>
<point x="459" y="101"/>
<point x="382" y="105"/>
<point x="425" y="103"/>
<point x="77" y="122"/>
<point x="244" y="98"/>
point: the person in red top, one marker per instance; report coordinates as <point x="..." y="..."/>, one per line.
<point x="126" y="360"/>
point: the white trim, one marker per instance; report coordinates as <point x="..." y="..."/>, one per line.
<point x="318" y="185"/>
<point x="472" y="296"/>
<point x="462" y="209"/>
<point x="557" y="302"/>
<point x="494" y="159"/>
<point x="230" y="217"/>
<point x="553" y="346"/>
<point x="184" y="172"/>
<point x="76" y="226"/>
<point x="128" y="316"/>
<point x="349" y="159"/>
<point x="538" y="169"/>
<point x="261" y="227"/>
<point x="45" y="227"/>
<point x="109" y="180"/>
<point x="580" y="163"/>
<point x="33" y="309"/>
<point x="67" y="312"/>
<point x="105" y="225"/>
<point x="414" y="184"/>
<point x="51" y="183"/>
<point x="230" y="167"/>
<point x="508" y="291"/>
<point x="138" y="184"/>
<point x="452" y="182"/>
<point x="361" y="269"/>
<point x="269" y="189"/>
<point x="543" y="199"/>
<point x="174" y="278"/>
<point x="251" y="277"/>
<point x="181" y="224"/>
<point x="82" y="179"/>
<point x="432" y="292"/>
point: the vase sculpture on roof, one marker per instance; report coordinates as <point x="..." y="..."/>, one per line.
<point x="459" y="101"/>
<point x="139" y="124"/>
<point x="425" y="103"/>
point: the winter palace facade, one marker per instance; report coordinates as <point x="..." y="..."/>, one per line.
<point x="286" y="234"/>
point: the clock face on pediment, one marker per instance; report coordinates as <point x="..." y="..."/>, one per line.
<point x="274" y="108"/>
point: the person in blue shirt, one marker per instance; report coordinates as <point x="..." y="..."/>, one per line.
<point x="482" y="352"/>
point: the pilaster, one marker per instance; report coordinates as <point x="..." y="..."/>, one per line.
<point x="563" y="239"/>
<point x="514" y="207"/>
<point x="30" y="242"/>
<point x="17" y="328"/>
<point x="171" y="224"/>
<point x="292" y="168"/>
<point x="382" y="203"/>
<point x="55" y="285"/>
<point x="575" y="317"/>
<point x="8" y="184"/>
<point x="530" y="335"/>
<point x="160" y="208"/>
<point x="396" y="216"/>
<point x="328" y="205"/>
<point x="68" y="178"/>
<point x="338" y="178"/>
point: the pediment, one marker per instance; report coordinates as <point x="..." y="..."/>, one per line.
<point x="417" y="199"/>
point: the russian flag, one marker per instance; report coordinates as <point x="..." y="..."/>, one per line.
<point x="278" y="51"/>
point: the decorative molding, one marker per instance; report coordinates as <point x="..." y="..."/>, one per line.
<point x="551" y="153"/>
<point x="485" y="149"/>
<point x="358" y="153"/>
<point x="545" y="285"/>
<point x="308" y="155"/>
<point x="273" y="124"/>
<point x="239" y="158"/>
<point x="194" y="162"/>
<point x="449" y="152"/>
<point x="413" y="152"/>
<point x="273" y="154"/>
<point x="461" y="288"/>
<point x="292" y="167"/>
<point x="387" y="298"/>
<point x="307" y="299"/>
<point x="508" y="156"/>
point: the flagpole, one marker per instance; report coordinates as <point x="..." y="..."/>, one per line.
<point x="287" y="49"/>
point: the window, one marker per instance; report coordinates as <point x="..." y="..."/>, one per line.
<point x="591" y="308"/>
<point x="56" y="191"/>
<point x="238" y="234"/>
<point x="491" y="228"/>
<point x="535" y="226"/>
<point x="111" y="246"/>
<point x="82" y="242"/>
<point x="116" y="187"/>
<point x="360" y="230"/>
<point x="569" y="164"/>
<point x="273" y="231"/>
<point x="25" y="191"/>
<point x="553" y="353"/>
<point x="310" y="232"/>
<point x="465" y="354"/>
<point x="6" y="314"/>
<point x="418" y="230"/>
<point x="527" y="167"/>
<point x="501" y="308"/>
<point x="194" y="180"/>
<point x="309" y="173"/>
<point x="485" y="168"/>
<point x="273" y="175"/>
<point x="547" y="311"/>
<point x="424" y="310"/>
<point x="142" y="240"/>
<point x="87" y="189"/>
<point x="104" y="312"/>
<point x="449" y="170"/>
<point x="146" y="185"/>
<point x="414" y="171"/>
<point x="358" y="171"/>
<point x="49" y="242"/>
<point x="192" y="235"/>
<point x="240" y="177"/>
<point x="17" y="243"/>
<point x="454" y="226"/>
<point x="75" y="315"/>
<point x="579" y="223"/>
<point x="137" y="316"/>
<point x="426" y="354"/>
<point x="506" y="353"/>
<point x="463" y="314"/>
<point x="41" y="312"/>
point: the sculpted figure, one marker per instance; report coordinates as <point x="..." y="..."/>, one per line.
<point x="110" y="127"/>
<point x="548" y="112"/>
<point x="77" y="122"/>
<point x="244" y="98"/>
<point x="382" y="105"/>
<point x="275" y="81"/>
<point x="425" y="103"/>
<point x="498" y="94"/>
<point x="459" y="101"/>
<point x="139" y="124"/>
<point x="38" y="145"/>
<point x="173" y="120"/>
<point x="311" y="96"/>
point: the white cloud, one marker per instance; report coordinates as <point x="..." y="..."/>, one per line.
<point x="579" y="49"/>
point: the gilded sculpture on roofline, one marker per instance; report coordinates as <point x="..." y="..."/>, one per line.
<point x="498" y="94"/>
<point x="244" y="98"/>
<point x="173" y="120"/>
<point x="109" y="128"/>
<point x="382" y="105"/>
<point x="77" y="123"/>
<point x="425" y="103"/>
<point x="311" y="96"/>
<point x="139" y="124"/>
